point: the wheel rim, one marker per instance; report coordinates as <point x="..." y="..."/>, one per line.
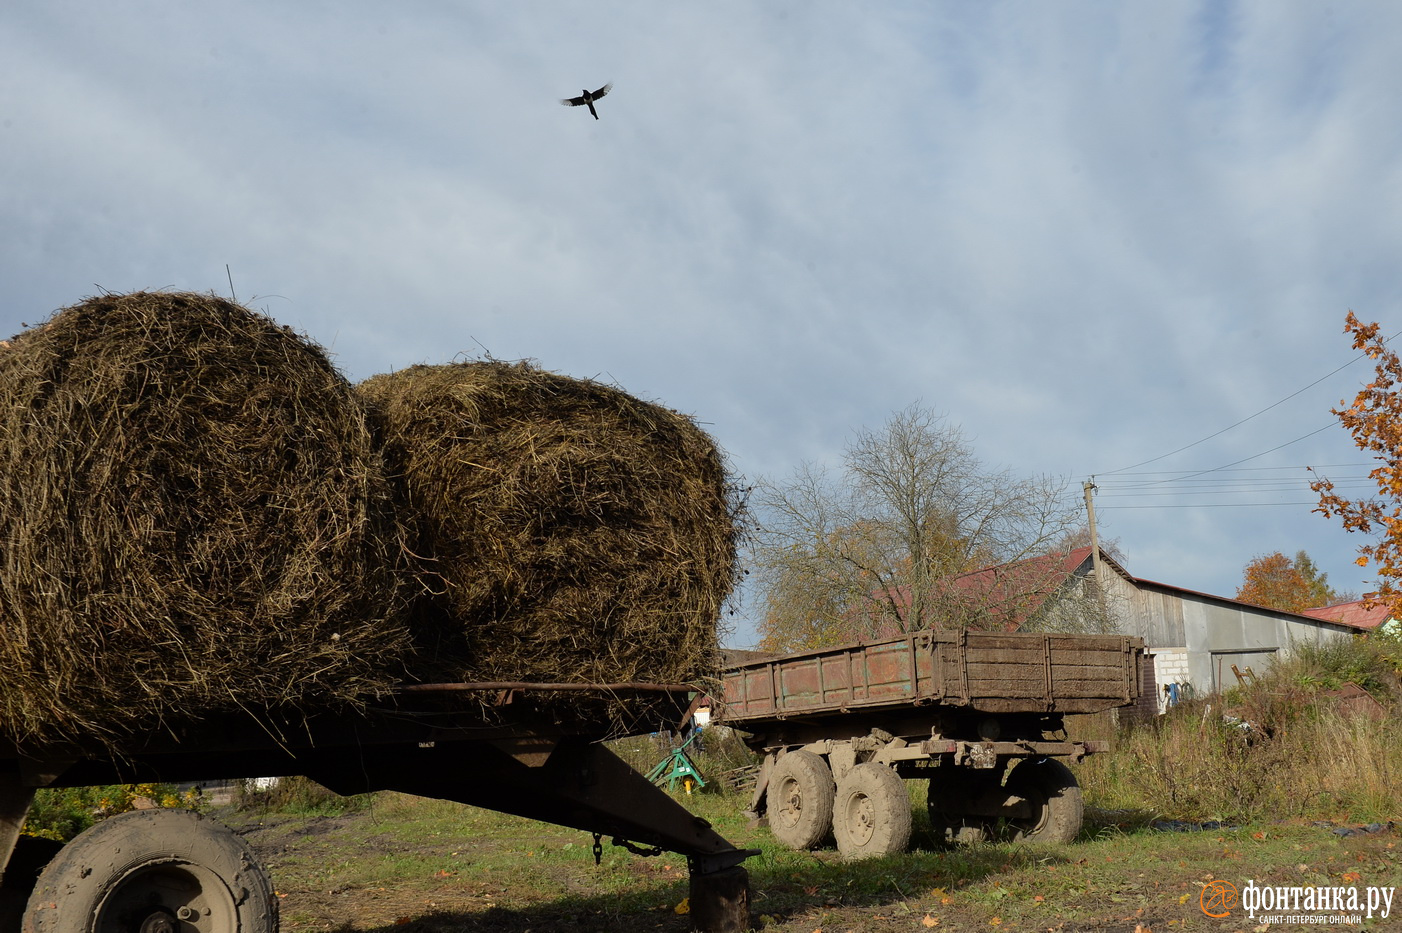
<point x="791" y="802"/>
<point x="1035" y="823"/>
<point x="859" y="818"/>
<point x="167" y="897"/>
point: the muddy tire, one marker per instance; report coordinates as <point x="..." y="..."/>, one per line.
<point x="1055" y="798"/>
<point x="153" y="870"/>
<point x="871" y="816"/>
<point x="799" y="800"/>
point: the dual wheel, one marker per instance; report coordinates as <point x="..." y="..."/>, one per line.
<point x="869" y="813"/>
<point x="1051" y="809"/>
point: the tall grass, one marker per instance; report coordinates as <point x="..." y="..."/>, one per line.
<point x="1279" y="748"/>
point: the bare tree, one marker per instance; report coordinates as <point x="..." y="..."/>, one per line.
<point x="888" y="545"/>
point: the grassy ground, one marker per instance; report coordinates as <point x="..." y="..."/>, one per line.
<point x="418" y="866"/>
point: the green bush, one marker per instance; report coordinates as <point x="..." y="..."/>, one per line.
<point x="296" y="795"/>
<point x="60" y="813"/>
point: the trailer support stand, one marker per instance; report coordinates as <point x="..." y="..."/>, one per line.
<point x="720" y="900"/>
<point x="15" y="799"/>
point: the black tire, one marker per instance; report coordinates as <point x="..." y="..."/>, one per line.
<point x="799" y="800"/>
<point x="948" y="799"/>
<point x="871" y="816"/>
<point x="1054" y="795"/>
<point x="149" y="870"/>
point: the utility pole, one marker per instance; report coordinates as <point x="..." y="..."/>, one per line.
<point x="1088" y="488"/>
<point x="1095" y="542"/>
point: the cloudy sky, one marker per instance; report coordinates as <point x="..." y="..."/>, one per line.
<point x="1091" y="234"/>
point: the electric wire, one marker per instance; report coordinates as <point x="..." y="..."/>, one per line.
<point x="1247" y="418"/>
<point x="1213" y="481"/>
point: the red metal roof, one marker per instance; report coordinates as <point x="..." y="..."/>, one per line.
<point x="1355" y="614"/>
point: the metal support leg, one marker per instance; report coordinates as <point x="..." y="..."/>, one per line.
<point x="15" y="799"/>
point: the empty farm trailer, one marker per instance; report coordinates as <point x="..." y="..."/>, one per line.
<point x="979" y="716"/>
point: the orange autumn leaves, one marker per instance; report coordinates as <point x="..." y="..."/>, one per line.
<point x="1374" y="418"/>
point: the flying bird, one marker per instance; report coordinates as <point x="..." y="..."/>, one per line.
<point x="587" y="99"/>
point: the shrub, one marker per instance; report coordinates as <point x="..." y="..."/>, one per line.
<point x="60" y="813"/>
<point x="1273" y="749"/>
<point x="296" y="795"/>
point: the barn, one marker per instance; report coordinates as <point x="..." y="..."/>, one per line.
<point x="1196" y="640"/>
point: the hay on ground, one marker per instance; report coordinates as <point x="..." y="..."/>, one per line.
<point x="193" y="518"/>
<point x="569" y="531"/>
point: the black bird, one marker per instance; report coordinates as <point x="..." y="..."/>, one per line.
<point x="587" y="99"/>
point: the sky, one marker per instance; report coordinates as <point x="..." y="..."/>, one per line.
<point x="1106" y="240"/>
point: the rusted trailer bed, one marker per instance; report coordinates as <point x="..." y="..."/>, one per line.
<point x="840" y="727"/>
<point x="184" y="874"/>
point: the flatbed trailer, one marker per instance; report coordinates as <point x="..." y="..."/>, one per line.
<point x="489" y="745"/>
<point x="979" y="715"/>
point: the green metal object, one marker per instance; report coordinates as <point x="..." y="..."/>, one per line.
<point x="678" y="766"/>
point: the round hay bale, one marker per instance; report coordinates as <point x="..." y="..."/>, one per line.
<point x="568" y="531"/>
<point x="194" y="518"/>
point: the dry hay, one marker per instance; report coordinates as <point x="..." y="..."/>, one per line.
<point x="570" y="532"/>
<point x="193" y="518"/>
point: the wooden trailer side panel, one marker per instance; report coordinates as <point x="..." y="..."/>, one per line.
<point x="987" y="671"/>
<point x="1016" y="673"/>
<point x="891" y="672"/>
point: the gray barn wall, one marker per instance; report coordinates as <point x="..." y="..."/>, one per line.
<point x="1218" y="633"/>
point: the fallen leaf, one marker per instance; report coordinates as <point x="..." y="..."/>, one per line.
<point x="684" y="907"/>
<point x="930" y="921"/>
<point x="1038" y="899"/>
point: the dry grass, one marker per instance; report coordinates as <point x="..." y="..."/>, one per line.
<point x="1278" y="749"/>
<point x="193" y="518"/>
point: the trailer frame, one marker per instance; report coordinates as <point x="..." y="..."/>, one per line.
<point x="492" y="745"/>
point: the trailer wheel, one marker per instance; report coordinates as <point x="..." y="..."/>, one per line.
<point x="153" y="871"/>
<point x="1055" y="797"/>
<point x="871" y="817"/>
<point x="947" y="800"/>
<point x="799" y="800"/>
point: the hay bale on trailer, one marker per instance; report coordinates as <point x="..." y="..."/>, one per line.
<point x="194" y="518"/>
<point x="568" y="531"/>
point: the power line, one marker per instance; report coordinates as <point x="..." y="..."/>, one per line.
<point x="1246" y="419"/>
